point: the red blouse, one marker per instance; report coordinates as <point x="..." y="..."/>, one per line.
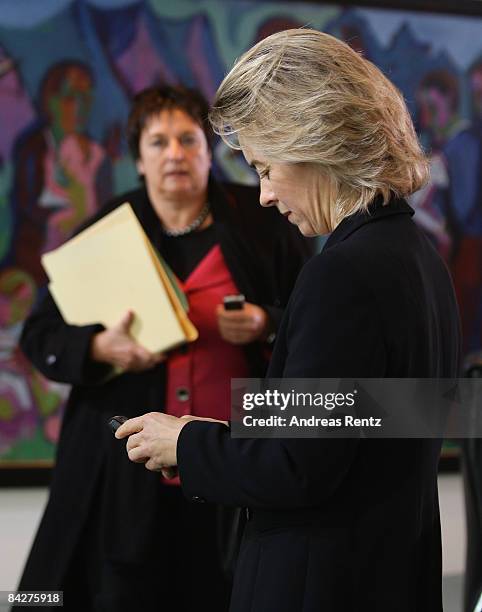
<point x="199" y="375"/>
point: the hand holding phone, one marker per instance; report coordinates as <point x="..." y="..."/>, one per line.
<point x="240" y="322"/>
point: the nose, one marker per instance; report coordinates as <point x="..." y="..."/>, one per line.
<point x="175" y="149"/>
<point x="266" y="194"/>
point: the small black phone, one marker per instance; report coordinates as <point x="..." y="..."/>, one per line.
<point x="116" y="421"/>
<point x="234" y="302"/>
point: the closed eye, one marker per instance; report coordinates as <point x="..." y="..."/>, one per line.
<point x="261" y="173"/>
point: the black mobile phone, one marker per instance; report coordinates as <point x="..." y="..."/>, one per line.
<point x="233" y="302"/>
<point x="116" y="421"/>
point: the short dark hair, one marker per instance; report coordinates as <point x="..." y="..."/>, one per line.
<point x="154" y="100"/>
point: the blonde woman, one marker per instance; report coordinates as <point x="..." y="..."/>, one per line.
<point x="334" y="525"/>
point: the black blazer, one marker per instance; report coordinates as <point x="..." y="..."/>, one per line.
<point x="343" y="525"/>
<point x="93" y="479"/>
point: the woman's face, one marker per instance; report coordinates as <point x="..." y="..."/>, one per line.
<point x="174" y="156"/>
<point x="299" y="191"/>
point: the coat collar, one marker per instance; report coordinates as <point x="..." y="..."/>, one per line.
<point x="376" y="211"/>
<point x="222" y="208"/>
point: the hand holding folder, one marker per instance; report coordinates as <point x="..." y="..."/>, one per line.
<point x="111" y="267"/>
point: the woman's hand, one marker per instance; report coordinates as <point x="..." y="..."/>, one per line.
<point x="242" y="326"/>
<point x="115" y="346"/>
<point x="153" y="440"/>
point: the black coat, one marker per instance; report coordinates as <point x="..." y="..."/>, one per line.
<point x="343" y="525"/>
<point x="93" y="480"/>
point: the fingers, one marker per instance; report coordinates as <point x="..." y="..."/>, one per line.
<point x="146" y="359"/>
<point x="237" y="336"/>
<point x="134" y="441"/>
<point x="138" y="455"/>
<point x="116" y="346"/>
<point x="137" y="449"/>
<point x="242" y="326"/>
<point x="131" y="426"/>
<point x="153" y="465"/>
<point x="236" y="319"/>
<point x="239" y="327"/>
<point x="137" y="358"/>
<point x="245" y="325"/>
<point x="125" y="322"/>
<point x="153" y="439"/>
<point x="167" y="472"/>
<point x="141" y="358"/>
<point x="234" y="337"/>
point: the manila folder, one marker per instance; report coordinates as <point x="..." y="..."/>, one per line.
<point x="108" y="269"/>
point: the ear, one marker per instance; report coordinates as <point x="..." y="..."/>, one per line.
<point x="140" y="166"/>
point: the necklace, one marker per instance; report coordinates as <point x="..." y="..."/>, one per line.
<point x="198" y="221"/>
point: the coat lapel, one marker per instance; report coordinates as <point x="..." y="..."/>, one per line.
<point x="376" y="211"/>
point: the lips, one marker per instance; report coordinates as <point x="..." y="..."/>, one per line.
<point x="175" y="168"/>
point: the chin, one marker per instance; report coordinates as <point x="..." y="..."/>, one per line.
<point x="307" y="230"/>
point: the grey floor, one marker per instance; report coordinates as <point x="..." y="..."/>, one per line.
<point x="452" y="515"/>
<point x="452" y="593"/>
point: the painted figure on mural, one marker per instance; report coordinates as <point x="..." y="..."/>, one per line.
<point x="438" y="98"/>
<point x="29" y="404"/>
<point x="58" y="166"/>
<point x="438" y="120"/>
<point x="461" y="203"/>
<point x="21" y="386"/>
<point x="450" y="207"/>
<point x="16" y="112"/>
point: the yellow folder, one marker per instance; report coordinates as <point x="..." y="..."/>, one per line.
<point x="111" y="267"/>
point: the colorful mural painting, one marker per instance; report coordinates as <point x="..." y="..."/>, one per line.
<point x="67" y="71"/>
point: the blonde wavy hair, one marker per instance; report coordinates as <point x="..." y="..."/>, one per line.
<point x="304" y="96"/>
